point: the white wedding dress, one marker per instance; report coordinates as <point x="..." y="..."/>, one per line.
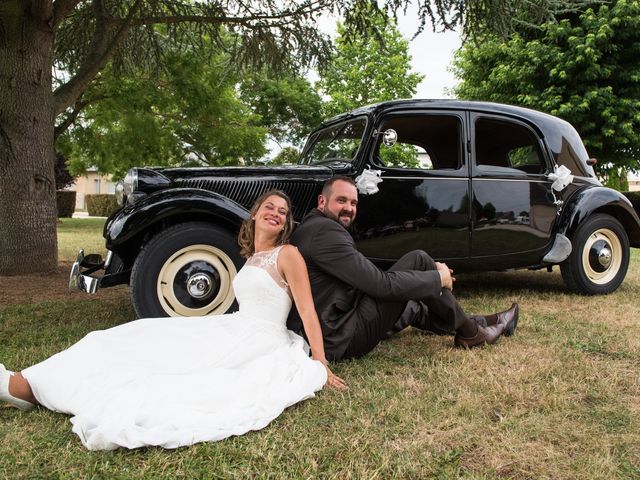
<point x="174" y="381"/>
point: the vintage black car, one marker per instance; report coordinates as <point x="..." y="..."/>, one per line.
<point x="480" y="186"/>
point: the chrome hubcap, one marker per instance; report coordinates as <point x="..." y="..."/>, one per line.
<point x="199" y="285"/>
<point x="604" y="257"/>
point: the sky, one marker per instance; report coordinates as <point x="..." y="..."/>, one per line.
<point x="431" y="54"/>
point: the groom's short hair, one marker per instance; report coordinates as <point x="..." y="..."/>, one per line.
<point x="328" y="185"/>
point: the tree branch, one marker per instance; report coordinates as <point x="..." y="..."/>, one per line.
<point x="103" y="50"/>
<point x="308" y="8"/>
<point x="104" y="46"/>
<point x="61" y="9"/>
<point x="171" y="19"/>
<point x="201" y="19"/>
<point x="248" y="22"/>
<point x="71" y="118"/>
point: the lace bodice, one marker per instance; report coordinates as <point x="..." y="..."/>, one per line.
<point x="268" y="261"/>
<point x="263" y="295"/>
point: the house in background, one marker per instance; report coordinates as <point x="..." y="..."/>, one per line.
<point x="90" y="183"/>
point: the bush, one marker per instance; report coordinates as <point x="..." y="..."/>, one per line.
<point x="63" y="177"/>
<point x="634" y="198"/>
<point x="101" y="204"/>
<point x="66" y="203"/>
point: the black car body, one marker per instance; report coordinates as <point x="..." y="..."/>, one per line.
<point x="471" y="183"/>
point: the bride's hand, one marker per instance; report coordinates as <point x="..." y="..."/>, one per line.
<point x="335" y="381"/>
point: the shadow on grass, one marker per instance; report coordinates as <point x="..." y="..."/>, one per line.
<point x="517" y="282"/>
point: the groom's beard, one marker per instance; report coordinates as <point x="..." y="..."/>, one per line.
<point x="344" y="218"/>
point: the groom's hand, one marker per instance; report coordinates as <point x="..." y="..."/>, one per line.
<point x="446" y="280"/>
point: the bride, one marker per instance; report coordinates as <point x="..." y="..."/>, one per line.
<point x="174" y="381"/>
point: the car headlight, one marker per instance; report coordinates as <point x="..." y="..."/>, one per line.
<point x="120" y="193"/>
<point x="139" y="182"/>
<point x="130" y="182"/>
<point x="126" y="186"/>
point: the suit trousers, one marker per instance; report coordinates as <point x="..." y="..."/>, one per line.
<point x="375" y="318"/>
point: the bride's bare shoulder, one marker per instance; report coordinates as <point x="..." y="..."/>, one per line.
<point x="289" y="254"/>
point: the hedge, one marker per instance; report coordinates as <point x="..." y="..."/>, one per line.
<point x="101" y="204"/>
<point x="66" y="203"/>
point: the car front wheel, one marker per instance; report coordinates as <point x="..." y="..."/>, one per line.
<point x="600" y="257"/>
<point x="186" y="270"/>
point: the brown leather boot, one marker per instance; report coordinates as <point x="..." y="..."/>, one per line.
<point x="508" y="317"/>
<point x="489" y="335"/>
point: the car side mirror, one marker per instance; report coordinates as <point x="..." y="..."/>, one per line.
<point x="390" y="137"/>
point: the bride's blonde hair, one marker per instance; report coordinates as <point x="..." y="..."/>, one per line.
<point x="246" y="237"/>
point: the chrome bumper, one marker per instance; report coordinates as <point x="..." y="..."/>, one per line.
<point x="82" y="280"/>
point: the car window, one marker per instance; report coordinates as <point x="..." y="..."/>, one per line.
<point x="426" y="142"/>
<point x="338" y="142"/>
<point x="507" y="145"/>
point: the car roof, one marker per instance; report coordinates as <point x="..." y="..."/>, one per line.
<point x="540" y="119"/>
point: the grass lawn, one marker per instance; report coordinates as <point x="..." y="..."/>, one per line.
<point x="77" y="233"/>
<point x="559" y="400"/>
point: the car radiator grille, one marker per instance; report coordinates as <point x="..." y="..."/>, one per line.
<point x="303" y="194"/>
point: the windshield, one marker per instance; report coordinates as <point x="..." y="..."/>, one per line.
<point x="337" y="143"/>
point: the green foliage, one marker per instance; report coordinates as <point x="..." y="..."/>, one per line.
<point x="189" y="115"/>
<point x="284" y="36"/>
<point x="369" y="67"/>
<point x="101" y="204"/>
<point x="287" y="156"/>
<point x="584" y="69"/>
<point x="615" y="178"/>
<point x="399" y="155"/>
<point x="288" y="106"/>
<point x="170" y="96"/>
<point x="66" y="203"/>
<point x="268" y="33"/>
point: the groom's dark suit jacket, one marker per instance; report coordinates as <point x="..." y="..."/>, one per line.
<point x="341" y="276"/>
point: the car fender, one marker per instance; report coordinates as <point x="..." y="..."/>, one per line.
<point x="596" y="199"/>
<point x="175" y="205"/>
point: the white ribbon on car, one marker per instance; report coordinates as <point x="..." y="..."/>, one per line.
<point x="367" y="182"/>
<point x="561" y="177"/>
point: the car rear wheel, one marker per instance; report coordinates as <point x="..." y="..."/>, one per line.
<point x="600" y="257"/>
<point x="186" y="270"/>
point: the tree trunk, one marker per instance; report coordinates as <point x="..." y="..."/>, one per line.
<point x="27" y="186"/>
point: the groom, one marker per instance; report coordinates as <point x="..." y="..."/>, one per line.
<point x="358" y="303"/>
